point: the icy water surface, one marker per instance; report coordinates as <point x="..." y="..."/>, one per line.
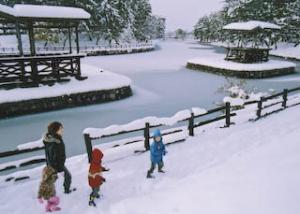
<point x="161" y="85"/>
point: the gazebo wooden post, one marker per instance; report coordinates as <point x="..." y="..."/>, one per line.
<point x="21" y="52"/>
<point x="70" y="46"/>
<point x="77" y="39"/>
<point x="34" y="70"/>
<point x="70" y="40"/>
<point x="18" y="34"/>
<point x="31" y="39"/>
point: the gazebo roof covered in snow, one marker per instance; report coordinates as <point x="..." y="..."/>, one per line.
<point x="42" y="12"/>
<point x="250" y="26"/>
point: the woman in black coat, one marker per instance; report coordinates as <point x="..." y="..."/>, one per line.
<point x="56" y="153"/>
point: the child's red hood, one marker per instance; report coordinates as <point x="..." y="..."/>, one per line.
<point x="97" y="156"/>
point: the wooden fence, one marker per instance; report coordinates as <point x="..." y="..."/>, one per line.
<point x="225" y="110"/>
<point x="225" y="113"/>
<point x="283" y="103"/>
<point x="11" y="165"/>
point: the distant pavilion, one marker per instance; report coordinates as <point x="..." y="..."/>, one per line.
<point x="249" y="35"/>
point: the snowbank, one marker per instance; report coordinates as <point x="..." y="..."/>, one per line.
<point x="97" y="80"/>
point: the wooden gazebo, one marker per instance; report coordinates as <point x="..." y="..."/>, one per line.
<point x="31" y="69"/>
<point x="248" y="34"/>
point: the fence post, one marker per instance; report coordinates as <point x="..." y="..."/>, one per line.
<point x="227" y="113"/>
<point x="191" y="124"/>
<point x="259" y="106"/>
<point x="284" y="97"/>
<point x="88" y="145"/>
<point x="147" y="136"/>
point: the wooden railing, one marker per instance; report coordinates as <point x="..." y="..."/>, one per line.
<point x="13" y="51"/>
<point x="282" y="103"/>
<point x="225" y="114"/>
<point x="30" y="71"/>
<point x="18" y="164"/>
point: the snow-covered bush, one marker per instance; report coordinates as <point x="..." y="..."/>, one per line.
<point x="239" y="93"/>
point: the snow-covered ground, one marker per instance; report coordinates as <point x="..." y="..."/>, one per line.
<point x="97" y="80"/>
<point x="251" y="167"/>
<point x="287" y="51"/>
<point x="219" y="62"/>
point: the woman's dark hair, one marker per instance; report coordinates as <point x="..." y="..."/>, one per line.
<point x="54" y="127"/>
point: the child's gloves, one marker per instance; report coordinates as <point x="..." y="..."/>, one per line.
<point x="103" y="179"/>
<point x="40" y="200"/>
<point x="165" y="152"/>
<point x="105" y="169"/>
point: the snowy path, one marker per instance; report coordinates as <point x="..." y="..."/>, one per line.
<point x="248" y="168"/>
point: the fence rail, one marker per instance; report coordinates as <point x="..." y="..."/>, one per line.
<point x="19" y="151"/>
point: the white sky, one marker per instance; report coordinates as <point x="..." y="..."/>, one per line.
<point x="184" y="13"/>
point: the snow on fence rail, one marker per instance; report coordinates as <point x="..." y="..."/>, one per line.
<point x="147" y="123"/>
<point x="24" y="148"/>
<point x="86" y="48"/>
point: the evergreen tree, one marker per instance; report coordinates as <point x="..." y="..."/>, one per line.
<point x="282" y="12"/>
<point x="110" y="19"/>
<point x="291" y="24"/>
<point x="141" y="10"/>
<point x="209" y="28"/>
<point x="156" y="27"/>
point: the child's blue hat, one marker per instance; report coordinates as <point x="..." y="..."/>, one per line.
<point x="156" y="133"/>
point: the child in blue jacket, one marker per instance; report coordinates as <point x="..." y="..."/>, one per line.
<point x="157" y="151"/>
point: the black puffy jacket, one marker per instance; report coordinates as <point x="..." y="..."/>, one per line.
<point x="55" y="152"/>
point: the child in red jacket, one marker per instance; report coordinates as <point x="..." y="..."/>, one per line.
<point x="95" y="175"/>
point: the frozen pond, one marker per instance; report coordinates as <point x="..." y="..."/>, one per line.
<point x="162" y="86"/>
